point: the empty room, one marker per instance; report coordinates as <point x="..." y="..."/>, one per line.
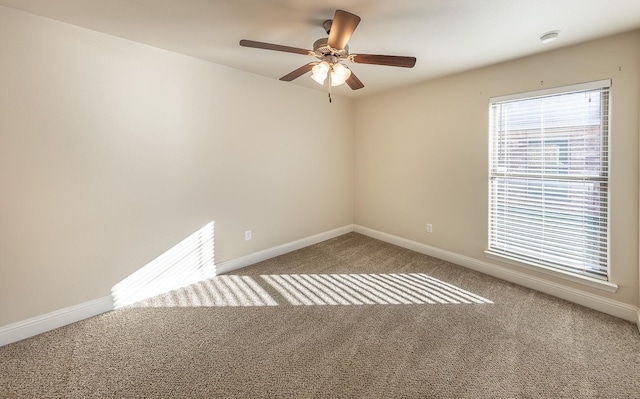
<point x="364" y="199"/>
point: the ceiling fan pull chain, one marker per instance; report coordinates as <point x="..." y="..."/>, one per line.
<point x="330" y="84"/>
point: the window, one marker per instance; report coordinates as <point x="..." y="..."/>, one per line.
<point x="548" y="194"/>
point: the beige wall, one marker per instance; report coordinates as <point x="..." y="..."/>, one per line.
<point x="111" y="152"/>
<point x="422" y="152"/>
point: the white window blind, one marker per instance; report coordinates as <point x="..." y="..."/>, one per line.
<point x="549" y="158"/>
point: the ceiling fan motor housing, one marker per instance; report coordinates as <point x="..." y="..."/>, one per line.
<point x="327" y="25"/>
<point x="321" y="48"/>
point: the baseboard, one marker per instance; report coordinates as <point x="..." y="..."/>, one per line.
<point x="602" y="304"/>
<point x="37" y="325"/>
<point x="238" y="263"/>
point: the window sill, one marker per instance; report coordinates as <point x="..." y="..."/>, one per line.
<point x="575" y="278"/>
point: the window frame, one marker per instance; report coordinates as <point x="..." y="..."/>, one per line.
<point x="540" y="267"/>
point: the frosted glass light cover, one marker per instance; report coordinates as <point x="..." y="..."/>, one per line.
<point x="319" y="72"/>
<point x="339" y="74"/>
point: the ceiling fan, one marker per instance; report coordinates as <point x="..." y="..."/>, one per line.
<point x="331" y="52"/>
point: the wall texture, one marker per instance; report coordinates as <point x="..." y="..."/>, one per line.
<point x="422" y="153"/>
<point x="111" y="152"/>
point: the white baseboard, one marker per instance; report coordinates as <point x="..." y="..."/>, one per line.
<point x="36" y="325"/>
<point x="52" y="320"/>
<point x="597" y="302"/>
<point x="238" y="263"/>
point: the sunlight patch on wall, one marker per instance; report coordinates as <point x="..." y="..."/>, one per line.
<point x="189" y="261"/>
<point x="369" y="289"/>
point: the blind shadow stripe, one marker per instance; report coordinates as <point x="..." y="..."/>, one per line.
<point x="333" y="291"/>
<point x="266" y="298"/>
<point x="302" y="290"/>
<point x="366" y="286"/>
<point x="427" y="288"/>
<point x="327" y="295"/>
<point x="415" y="296"/>
<point x="350" y="295"/>
<point x="378" y="286"/>
<point x="287" y="292"/>
<point x="419" y="291"/>
<point x="216" y="295"/>
<point x="229" y="297"/>
<point x="238" y="293"/>
<point x="357" y="285"/>
<point x="207" y="300"/>
<point x="454" y="288"/>
<point x="252" y="298"/>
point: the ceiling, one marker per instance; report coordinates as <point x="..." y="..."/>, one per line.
<point x="446" y="36"/>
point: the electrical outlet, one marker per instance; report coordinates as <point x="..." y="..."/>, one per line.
<point x="247" y="235"/>
<point x="429" y="228"/>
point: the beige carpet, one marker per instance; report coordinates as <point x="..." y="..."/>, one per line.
<point x="349" y="317"/>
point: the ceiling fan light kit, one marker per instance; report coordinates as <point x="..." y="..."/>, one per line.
<point x="339" y="74"/>
<point x="332" y="52"/>
<point x="320" y="71"/>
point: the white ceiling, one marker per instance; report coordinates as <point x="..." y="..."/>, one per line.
<point x="446" y="36"/>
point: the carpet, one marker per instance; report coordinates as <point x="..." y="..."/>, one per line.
<point x="351" y="317"/>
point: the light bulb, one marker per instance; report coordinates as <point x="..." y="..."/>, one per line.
<point x="319" y="72"/>
<point x="339" y="74"/>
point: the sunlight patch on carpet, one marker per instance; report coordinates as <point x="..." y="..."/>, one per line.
<point x="214" y="292"/>
<point x="369" y="289"/>
<point x="316" y="290"/>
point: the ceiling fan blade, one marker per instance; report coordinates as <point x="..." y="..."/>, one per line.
<point x="389" y="60"/>
<point x="276" y="47"/>
<point x="298" y="72"/>
<point x="354" y="82"/>
<point x="342" y="27"/>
